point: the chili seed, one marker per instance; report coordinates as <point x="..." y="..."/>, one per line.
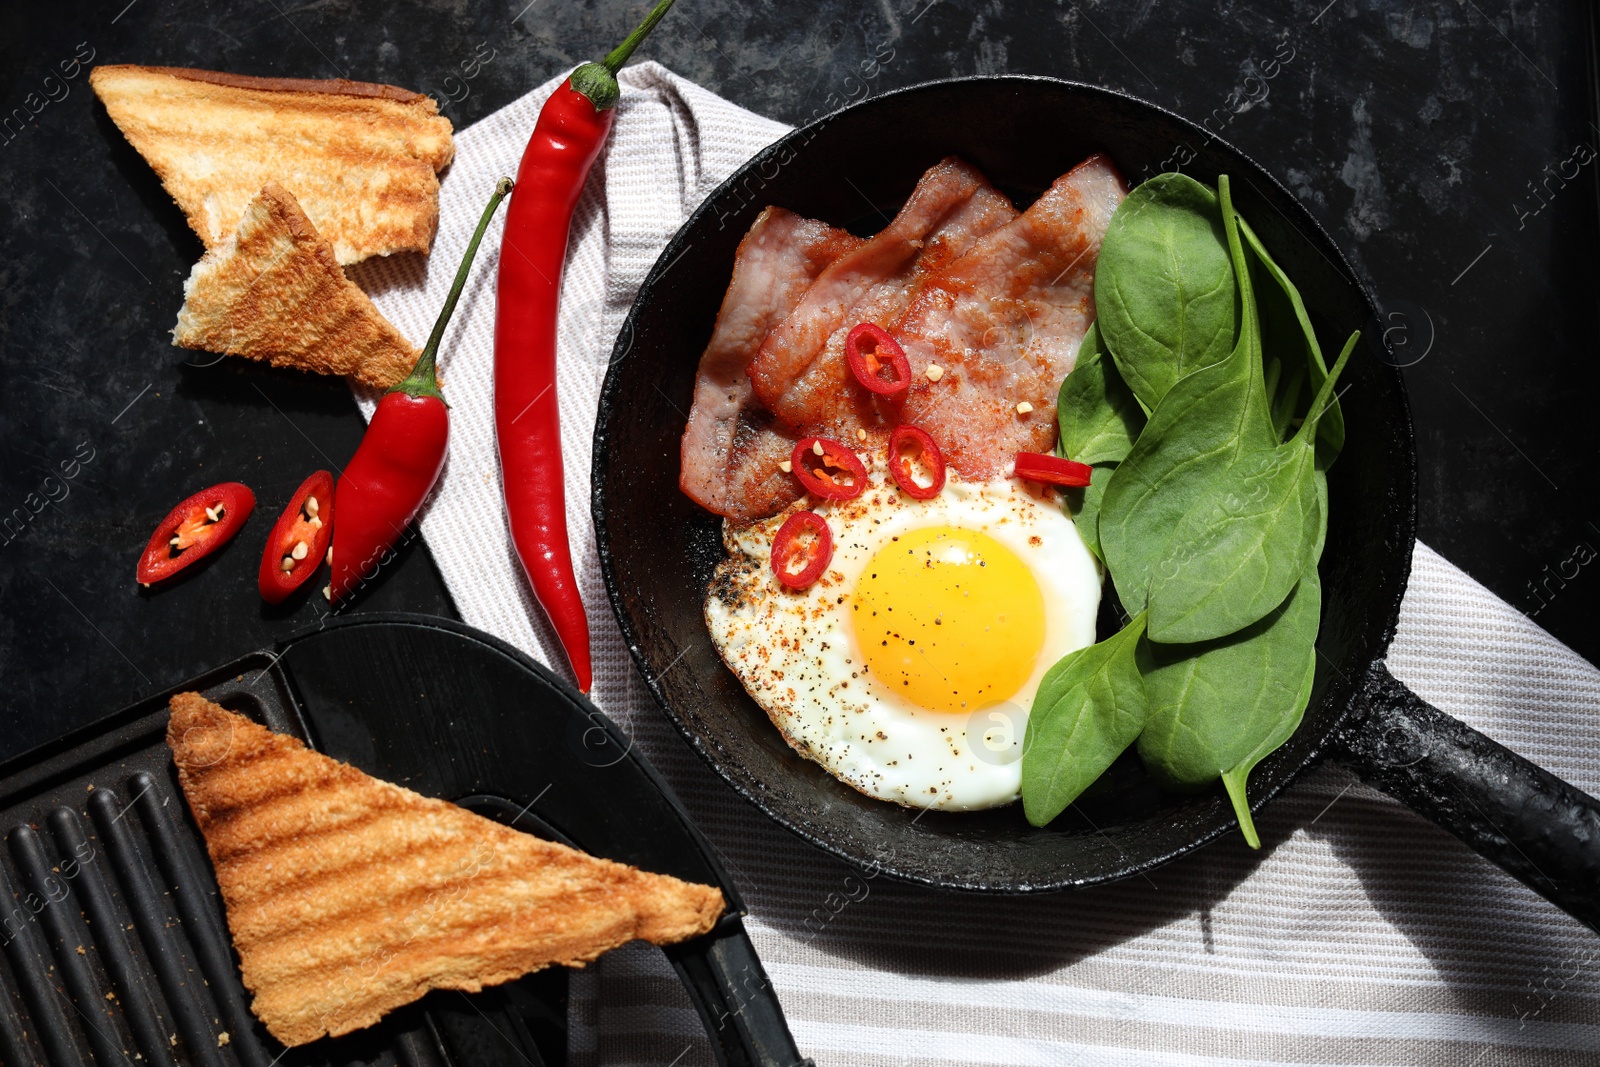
<point x="287" y="564"/>
<point x="1024" y="407"/>
<point x="312" y="507"/>
<point x="861" y="435"/>
<point x="786" y="467"/>
<point x="173" y="542"/>
<point x="316" y="523"/>
<point x="934" y="372"/>
<point x="817" y="448"/>
<point x="300" y="549"/>
<point x="330" y="555"/>
<point x="327" y="592"/>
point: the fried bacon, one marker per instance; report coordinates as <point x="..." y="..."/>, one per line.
<point x="1004" y="323"/>
<point x="997" y="302"/>
<point x="801" y="374"/>
<point x="731" y="447"/>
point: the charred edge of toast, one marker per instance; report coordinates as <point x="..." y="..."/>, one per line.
<point x="281" y="204"/>
<point x="276" y="211"/>
<point x="326" y="86"/>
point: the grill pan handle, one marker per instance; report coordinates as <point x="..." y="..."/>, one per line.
<point x="1519" y="816"/>
<point x="735" y="998"/>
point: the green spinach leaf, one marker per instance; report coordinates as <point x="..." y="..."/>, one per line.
<point x="1217" y="709"/>
<point x="1084" y="507"/>
<point x="1235" y="555"/>
<point x="1291" y="322"/>
<point x="1322" y="528"/>
<point x="1165" y="293"/>
<point x="1286" y="400"/>
<point x="1097" y="413"/>
<point x="1203" y="423"/>
<point x="1089" y="709"/>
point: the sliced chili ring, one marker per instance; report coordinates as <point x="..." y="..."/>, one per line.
<point x="820" y="461"/>
<point x="194" y="529"/>
<point x="900" y="440"/>
<point x="1052" y="470"/>
<point x="788" y="548"/>
<point x="299" y="540"/>
<point x="870" y="351"/>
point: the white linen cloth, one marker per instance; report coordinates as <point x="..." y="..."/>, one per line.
<point x="1359" y="934"/>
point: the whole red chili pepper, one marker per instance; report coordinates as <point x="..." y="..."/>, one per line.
<point x="571" y="129"/>
<point x="400" y="457"/>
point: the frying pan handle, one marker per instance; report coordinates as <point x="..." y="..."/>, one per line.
<point x="1540" y="829"/>
<point x="735" y="998"/>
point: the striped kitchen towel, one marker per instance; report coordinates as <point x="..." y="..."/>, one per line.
<point x="1359" y="934"/>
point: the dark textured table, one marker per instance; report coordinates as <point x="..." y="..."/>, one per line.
<point x="1449" y="147"/>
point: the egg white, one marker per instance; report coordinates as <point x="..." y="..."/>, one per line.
<point x="795" y="651"/>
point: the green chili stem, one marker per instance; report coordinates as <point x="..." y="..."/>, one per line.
<point x="620" y="54"/>
<point x="598" y="81"/>
<point x="424" y="379"/>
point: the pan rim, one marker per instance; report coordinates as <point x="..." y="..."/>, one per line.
<point x="1397" y="564"/>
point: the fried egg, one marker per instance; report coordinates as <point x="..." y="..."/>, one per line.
<point x="909" y="668"/>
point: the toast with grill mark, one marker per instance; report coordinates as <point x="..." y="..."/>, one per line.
<point x="348" y="896"/>
<point x="275" y="292"/>
<point x="363" y="159"/>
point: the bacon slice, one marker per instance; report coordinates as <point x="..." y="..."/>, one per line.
<point x="1004" y="322"/>
<point x="800" y="373"/>
<point x="731" y="448"/>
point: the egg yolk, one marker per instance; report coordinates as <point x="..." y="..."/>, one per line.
<point x="950" y="619"/>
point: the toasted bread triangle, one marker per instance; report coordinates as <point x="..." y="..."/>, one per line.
<point x="362" y="158"/>
<point x="274" y="292"/>
<point x="348" y="896"/>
